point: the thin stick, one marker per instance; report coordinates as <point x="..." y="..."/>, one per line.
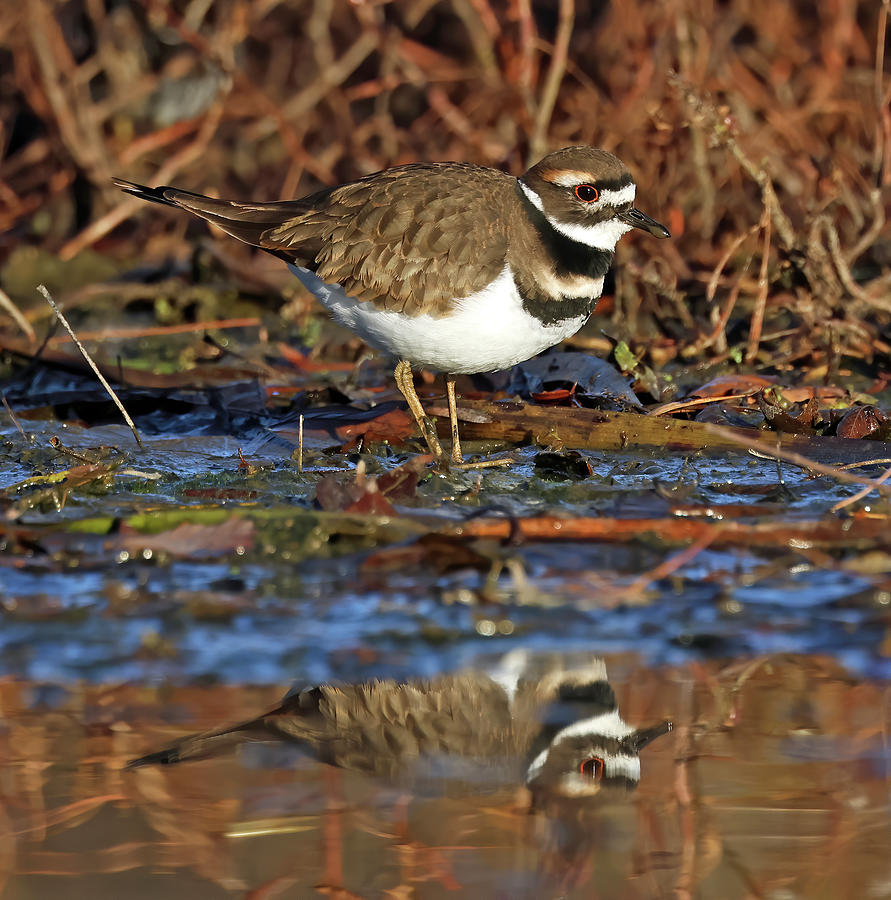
<point x="841" y="266"/>
<point x="12" y="416"/>
<point x="300" y="444"/>
<point x="672" y="564"/>
<point x="16" y="313"/>
<point x="881" y="148"/>
<point x="162" y="330"/>
<point x="735" y="244"/>
<point x="866" y="462"/>
<point x="718" y="337"/>
<point x="528" y="38"/>
<point x="861" y="493"/>
<point x="486" y="463"/>
<point x="761" y="299"/>
<point x="677" y="405"/>
<point x="759" y="447"/>
<point x="556" y="71"/>
<point x="46" y="296"/>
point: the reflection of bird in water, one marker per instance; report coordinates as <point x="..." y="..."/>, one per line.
<point x="560" y="733"/>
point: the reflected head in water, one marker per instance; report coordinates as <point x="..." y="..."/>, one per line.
<point x="556" y="730"/>
<point x="596" y="749"/>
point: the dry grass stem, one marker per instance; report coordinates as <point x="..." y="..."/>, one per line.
<point x="863" y="492"/>
<point x="761" y="300"/>
<point x="538" y="145"/>
<point x="761" y="448"/>
<point x="17" y="316"/>
<point x="46" y="296"/>
<point x="13" y="417"/>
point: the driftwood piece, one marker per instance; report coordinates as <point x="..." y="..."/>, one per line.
<point x="589" y="429"/>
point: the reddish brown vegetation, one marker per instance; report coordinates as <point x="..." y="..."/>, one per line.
<point x="760" y="132"/>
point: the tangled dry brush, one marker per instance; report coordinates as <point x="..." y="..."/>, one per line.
<point x="759" y="130"/>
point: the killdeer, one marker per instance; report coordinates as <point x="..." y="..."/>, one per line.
<point x="564" y="729"/>
<point x="454" y="267"/>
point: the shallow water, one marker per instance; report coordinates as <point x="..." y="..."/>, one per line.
<point x="182" y="593"/>
<point x="180" y="567"/>
<point x="773" y="783"/>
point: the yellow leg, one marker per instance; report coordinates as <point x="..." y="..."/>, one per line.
<point x="406" y="384"/>
<point x="453" y="419"/>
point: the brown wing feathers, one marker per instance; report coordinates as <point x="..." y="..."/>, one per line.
<point x="383" y="238"/>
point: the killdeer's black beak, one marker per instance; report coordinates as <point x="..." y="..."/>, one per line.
<point x="641" y="220"/>
<point x="643" y="736"/>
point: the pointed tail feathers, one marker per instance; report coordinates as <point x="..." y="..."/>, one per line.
<point x="247" y="222"/>
<point x="153" y="195"/>
<point x="292" y="720"/>
<point x="202" y="746"/>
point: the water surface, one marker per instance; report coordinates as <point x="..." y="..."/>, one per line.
<point x="773" y="783"/>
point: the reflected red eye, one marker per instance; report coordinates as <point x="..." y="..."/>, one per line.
<point x="592" y="768"/>
<point x="587" y="193"/>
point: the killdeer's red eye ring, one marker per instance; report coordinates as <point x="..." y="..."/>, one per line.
<point x="587" y="193"/>
<point x="592" y="768"/>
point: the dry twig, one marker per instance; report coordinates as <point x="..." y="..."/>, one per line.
<point x="46" y="296"/>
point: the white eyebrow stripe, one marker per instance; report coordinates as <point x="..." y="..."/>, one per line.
<point x="619" y="197"/>
<point x="570" y="179"/>
<point x="610" y="725"/>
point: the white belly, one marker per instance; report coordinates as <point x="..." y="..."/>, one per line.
<point x="488" y="330"/>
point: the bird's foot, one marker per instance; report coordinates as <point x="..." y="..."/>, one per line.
<point x="444" y="463"/>
<point x="428" y="431"/>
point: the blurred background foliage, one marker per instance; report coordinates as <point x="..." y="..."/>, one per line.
<point x="759" y="131"/>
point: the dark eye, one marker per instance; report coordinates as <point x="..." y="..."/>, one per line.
<point x="592" y="768"/>
<point x="587" y="193"/>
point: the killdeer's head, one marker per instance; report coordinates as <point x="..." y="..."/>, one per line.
<point x="597" y="750"/>
<point x="587" y="195"/>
